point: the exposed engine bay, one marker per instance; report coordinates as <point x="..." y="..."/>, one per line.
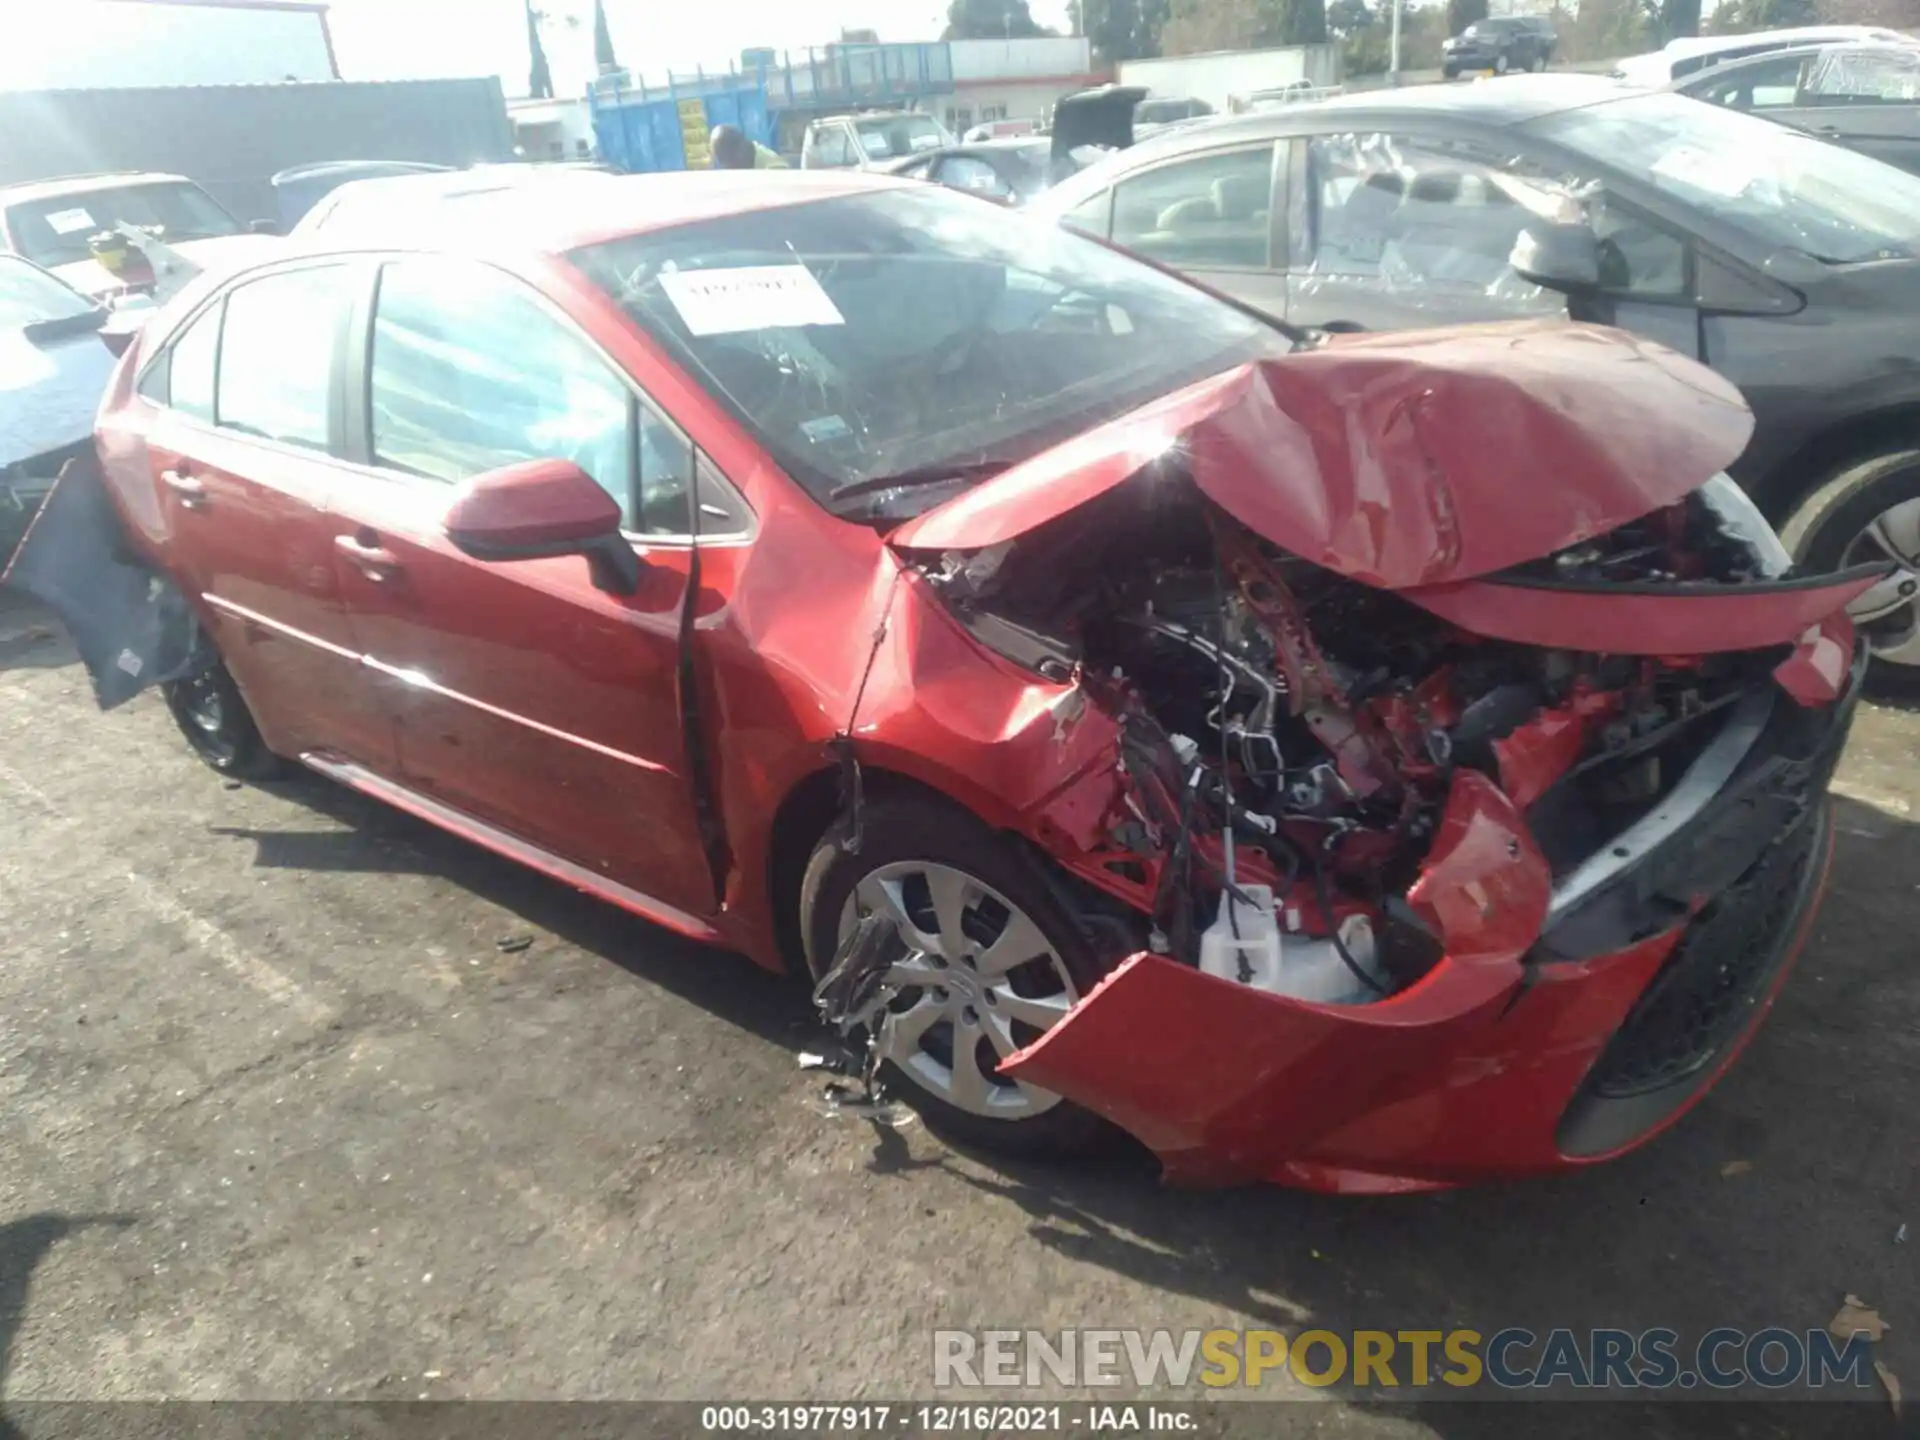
<point x="1291" y="737"/>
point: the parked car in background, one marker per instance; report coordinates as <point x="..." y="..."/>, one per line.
<point x="1500" y="43"/>
<point x="1866" y="97"/>
<point x="856" y="576"/>
<point x="1296" y="92"/>
<point x="1010" y="171"/>
<point x="1157" y="112"/>
<point x="51" y="223"/>
<point x="1789" y="265"/>
<point x="999" y="130"/>
<point x="53" y="371"/>
<point x="869" y="142"/>
<point x="1694" y="53"/>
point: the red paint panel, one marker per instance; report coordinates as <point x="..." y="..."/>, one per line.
<point x="1372" y="457"/>
<point x="1690" y="621"/>
<point x="534" y="503"/>
<point x="1485" y="886"/>
<point x="1817" y="671"/>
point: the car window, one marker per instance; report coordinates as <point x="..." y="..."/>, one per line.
<point x="190" y="363"/>
<point x="1092" y="216"/>
<point x="911" y="328"/>
<point x="1418" y="213"/>
<point x="1763" y="85"/>
<point x="893" y="137"/>
<point x="829" y="146"/>
<point x="55" y="231"/>
<point x="1780" y="186"/>
<point x="470" y="373"/>
<point x="1212" y="210"/>
<point x="974" y="175"/>
<point x="1841" y="77"/>
<point x="277" y="350"/>
<point x="28" y="294"/>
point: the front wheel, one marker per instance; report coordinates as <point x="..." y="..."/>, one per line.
<point x="1869" y="513"/>
<point x="986" y="961"/>
<point x="1500" y="64"/>
<point x="217" y="725"/>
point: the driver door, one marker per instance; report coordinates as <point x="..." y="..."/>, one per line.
<point x="521" y="694"/>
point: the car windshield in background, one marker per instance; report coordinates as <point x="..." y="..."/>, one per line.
<point x="894" y="137"/>
<point x="1784" y="187"/>
<point x="29" y="295"/>
<point x="55" y="231"/>
<point x="915" y="335"/>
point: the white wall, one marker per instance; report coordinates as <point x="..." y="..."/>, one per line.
<point x="1030" y="101"/>
<point x="1013" y="59"/>
<point x="539" y="125"/>
<point x="103" y="44"/>
<point x="1217" y="77"/>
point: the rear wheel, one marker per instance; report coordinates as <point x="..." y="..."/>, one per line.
<point x="1869" y="513"/>
<point x="986" y="961"/>
<point x="217" y="725"/>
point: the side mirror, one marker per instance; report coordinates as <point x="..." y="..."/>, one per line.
<point x="1558" y="257"/>
<point x="542" y="508"/>
<point x="264" y="227"/>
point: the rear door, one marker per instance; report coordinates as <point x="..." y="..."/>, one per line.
<point x="522" y="695"/>
<point x="241" y="440"/>
<point x="1869" y="100"/>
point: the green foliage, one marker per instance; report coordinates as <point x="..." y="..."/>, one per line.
<point x="1350" y="17"/>
<point x="1462" y="13"/>
<point x="602" y="40"/>
<point x="990" y="20"/>
<point x="1121" y="29"/>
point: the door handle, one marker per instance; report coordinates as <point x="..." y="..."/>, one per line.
<point x="192" y="492"/>
<point x="372" y="561"/>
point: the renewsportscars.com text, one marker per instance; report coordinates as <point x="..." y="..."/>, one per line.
<point x="1774" y="1358"/>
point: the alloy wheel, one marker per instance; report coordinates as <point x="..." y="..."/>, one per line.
<point x="978" y="981"/>
<point x="1889" y="614"/>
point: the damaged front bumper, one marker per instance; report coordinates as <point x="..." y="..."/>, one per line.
<point x="1651" y="963"/>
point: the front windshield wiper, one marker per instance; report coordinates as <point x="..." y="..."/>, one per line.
<point x="942" y="473"/>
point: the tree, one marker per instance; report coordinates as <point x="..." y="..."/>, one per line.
<point x="1739" y="16"/>
<point x="1120" y="29"/>
<point x="990" y="20"/>
<point x="1200" y="25"/>
<point x="1349" y="17"/>
<point x="539" y="78"/>
<point x="602" y="41"/>
<point x="1302" y="22"/>
<point x="1462" y="13"/>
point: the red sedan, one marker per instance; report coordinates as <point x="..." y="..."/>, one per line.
<point x="1363" y="764"/>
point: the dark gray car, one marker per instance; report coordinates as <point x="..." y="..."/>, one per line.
<point x="1866" y="97"/>
<point x="1789" y="265"/>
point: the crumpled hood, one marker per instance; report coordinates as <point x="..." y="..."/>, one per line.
<point x="1403" y="460"/>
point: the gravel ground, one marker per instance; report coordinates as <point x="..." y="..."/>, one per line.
<point x="280" y="1118"/>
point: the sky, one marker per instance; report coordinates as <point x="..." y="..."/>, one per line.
<point x="396" y="39"/>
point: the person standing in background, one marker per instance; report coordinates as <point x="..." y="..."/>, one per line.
<point x="732" y="150"/>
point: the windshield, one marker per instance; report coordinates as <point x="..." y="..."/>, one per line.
<point x="892" y="137"/>
<point x="28" y="294"/>
<point x="55" y="231"/>
<point x="1783" y="187"/>
<point x="915" y="332"/>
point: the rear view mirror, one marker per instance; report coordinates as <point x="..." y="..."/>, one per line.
<point x="1558" y="257"/>
<point x="539" y="509"/>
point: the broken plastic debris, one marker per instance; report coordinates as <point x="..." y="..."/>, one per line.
<point x="1892" y="1382"/>
<point x="1735" y="1167"/>
<point x="513" y="944"/>
<point x="1900" y="1235"/>
<point x="847" y="1102"/>
<point x="834" y="1062"/>
<point x="1856" y="1317"/>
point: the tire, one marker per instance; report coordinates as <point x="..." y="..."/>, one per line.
<point x="1449" y="72"/>
<point x="218" y="726"/>
<point x="1500" y="65"/>
<point x="1827" y="531"/>
<point x="1539" y="63"/>
<point x="899" y="834"/>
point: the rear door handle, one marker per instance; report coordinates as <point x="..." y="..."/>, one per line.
<point x="372" y="561"/>
<point x="192" y="492"/>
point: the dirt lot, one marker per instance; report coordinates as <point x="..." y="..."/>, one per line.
<point x="279" y="1117"/>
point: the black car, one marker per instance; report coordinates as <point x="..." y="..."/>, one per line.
<point x="1863" y="96"/>
<point x="1501" y="44"/>
<point x="1789" y="265"/>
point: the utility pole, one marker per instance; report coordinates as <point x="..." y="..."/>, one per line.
<point x="1393" y="46"/>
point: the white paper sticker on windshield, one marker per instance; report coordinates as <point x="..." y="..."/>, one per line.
<point x="752" y="297"/>
<point x="69" y="222"/>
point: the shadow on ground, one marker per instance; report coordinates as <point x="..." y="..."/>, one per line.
<point x="24" y="1243"/>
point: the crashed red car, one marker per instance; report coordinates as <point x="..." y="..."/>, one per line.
<point x="1371" y="764"/>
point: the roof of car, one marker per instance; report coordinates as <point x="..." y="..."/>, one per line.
<point x="1799" y="52"/>
<point x="84" y="184"/>
<point x="601" y="207"/>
